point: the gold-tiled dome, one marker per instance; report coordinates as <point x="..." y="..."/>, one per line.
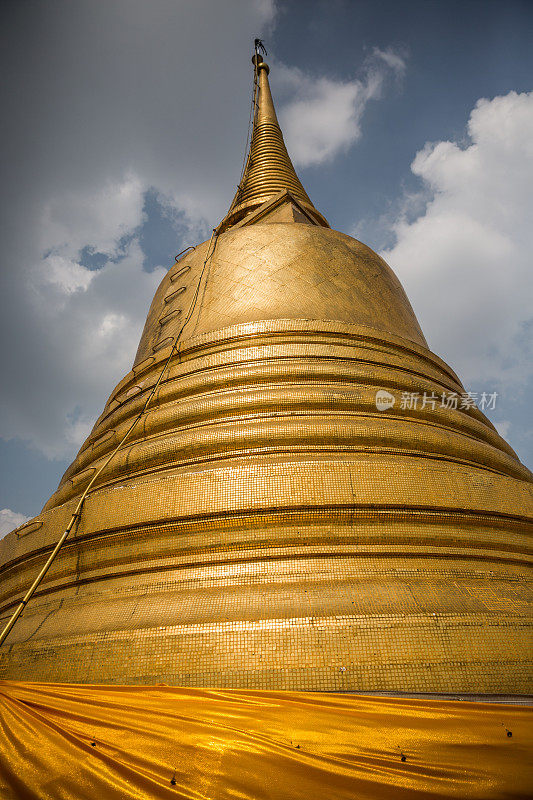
<point x="267" y="525"/>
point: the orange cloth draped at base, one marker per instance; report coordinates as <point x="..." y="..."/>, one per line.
<point x="75" y="742"/>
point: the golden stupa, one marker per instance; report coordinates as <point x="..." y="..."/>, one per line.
<point x="265" y="524"/>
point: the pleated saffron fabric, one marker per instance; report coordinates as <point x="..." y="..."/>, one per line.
<point x="81" y="742"/>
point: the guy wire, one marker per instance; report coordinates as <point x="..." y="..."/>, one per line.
<point x="251" y="125"/>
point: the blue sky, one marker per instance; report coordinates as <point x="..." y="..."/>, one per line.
<point x="409" y="122"/>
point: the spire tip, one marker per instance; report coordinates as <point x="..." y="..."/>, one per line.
<point x="268" y="170"/>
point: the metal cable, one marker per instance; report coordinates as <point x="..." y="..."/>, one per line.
<point x="251" y="125"/>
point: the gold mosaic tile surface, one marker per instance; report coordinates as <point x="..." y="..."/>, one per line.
<point x="266" y="525"/>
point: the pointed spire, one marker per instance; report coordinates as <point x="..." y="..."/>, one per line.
<point x="269" y="170"/>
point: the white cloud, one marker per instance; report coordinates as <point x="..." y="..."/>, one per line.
<point x="465" y="260"/>
<point x="66" y="275"/>
<point x="92" y="335"/>
<point x="96" y="218"/>
<point x="323" y="118"/>
<point x="9" y="520"/>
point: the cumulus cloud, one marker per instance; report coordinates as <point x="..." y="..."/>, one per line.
<point x="465" y="259"/>
<point x="66" y="275"/>
<point x="9" y="520"/>
<point x="96" y="218"/>
<point x="89" y="323"/>
<point x="323" y="116"/>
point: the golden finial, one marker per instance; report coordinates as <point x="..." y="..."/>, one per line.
<point x="268" y="170"/>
